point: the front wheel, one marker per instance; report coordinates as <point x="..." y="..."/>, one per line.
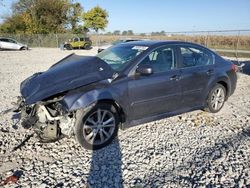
<point x="97" y="127"/>
<point x="24" y="48"/>
<point x="216" y="98"/>
<point x="68" y="47"/>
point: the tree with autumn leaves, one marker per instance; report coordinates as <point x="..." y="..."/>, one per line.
<point x="53" y="16"/>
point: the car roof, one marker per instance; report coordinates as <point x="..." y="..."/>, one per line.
<point x="5" y="38"/>
<point x="154" y="43"/>
<point x="8" y="38"/>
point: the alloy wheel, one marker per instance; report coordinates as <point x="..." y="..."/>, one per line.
<point x="218" y="98"/>
<point x="99" y="127"/>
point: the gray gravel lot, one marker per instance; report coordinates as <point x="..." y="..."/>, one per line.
<point x="195" y="149"/>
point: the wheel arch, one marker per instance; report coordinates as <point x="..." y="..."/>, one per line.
<point x="68" y="46"/>
<point x="117" y="107"/>
<point x="226" y="86"/>
<point x="22" y="48"/>
<point x="223" y="80"/>
<point x="79" y="101"/>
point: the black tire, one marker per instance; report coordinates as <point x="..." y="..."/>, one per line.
<point x="210" y="107"/>
<point x="87" y="46"/>
<point x="68" y="47"/>
<point x="81" y="130"/>
<point x="24" y="48"/>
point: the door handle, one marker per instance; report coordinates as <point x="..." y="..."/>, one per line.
<point x="175" y="77"/>
<point x="210" y="71"/>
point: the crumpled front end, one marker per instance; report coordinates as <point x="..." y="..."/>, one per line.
<point x="42" y="106"/>
<point x="70" y="73"/>
<point x="49" y="120"/>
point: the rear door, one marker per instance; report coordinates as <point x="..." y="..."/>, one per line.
<point x="197" y="68"/>
<point x="159" y="92"/>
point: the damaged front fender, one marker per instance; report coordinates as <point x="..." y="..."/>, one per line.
<point x="79" y="100"/>
<point x="86" y="96"/>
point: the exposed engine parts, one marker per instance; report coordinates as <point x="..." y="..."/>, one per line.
<point x="49" y="121"/>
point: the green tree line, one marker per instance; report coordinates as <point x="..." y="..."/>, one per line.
<point x="130" y="33"/>
<point x="53" y="16"/>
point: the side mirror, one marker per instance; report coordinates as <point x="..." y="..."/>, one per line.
<point x="144" y="70"/>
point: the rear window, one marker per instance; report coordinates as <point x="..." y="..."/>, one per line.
<point x="4" y="40"/>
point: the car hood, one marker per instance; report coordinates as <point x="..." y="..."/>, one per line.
<point x="20" y="44"/>
<point x="71" y="72"/>
<point x="104" y="47"/>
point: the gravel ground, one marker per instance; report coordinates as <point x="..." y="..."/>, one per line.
<point x="195" y="149"/>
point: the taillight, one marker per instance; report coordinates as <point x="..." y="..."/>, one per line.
<point x="234" y="68"/>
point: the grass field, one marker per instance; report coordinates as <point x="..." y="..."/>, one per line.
<point x="212" y="41"/>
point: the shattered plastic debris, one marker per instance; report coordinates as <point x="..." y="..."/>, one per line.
<point x="13" y="178"/>
<point x="10" y="179"/>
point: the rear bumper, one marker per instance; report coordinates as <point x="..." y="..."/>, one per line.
<point x="233" y="82"/>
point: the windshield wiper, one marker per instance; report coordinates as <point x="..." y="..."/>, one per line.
<point x="111" y="60"/>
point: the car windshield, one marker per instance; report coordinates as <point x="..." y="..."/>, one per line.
<point x="118" y="56"/>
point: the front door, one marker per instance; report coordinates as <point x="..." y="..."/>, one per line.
<point x="8" y="44"/>
<point x="159" y="92"/>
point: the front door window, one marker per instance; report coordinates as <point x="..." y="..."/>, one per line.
<point x="161" y="60"/>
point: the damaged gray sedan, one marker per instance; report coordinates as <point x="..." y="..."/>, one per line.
<point x="125" y="85"/>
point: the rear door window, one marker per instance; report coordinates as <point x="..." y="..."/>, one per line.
<point x="193" y="56"/>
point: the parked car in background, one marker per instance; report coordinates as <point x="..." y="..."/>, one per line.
<point x="11" y="44"/>
<point x="78" y="43"/>
<point x="104" y="47"/>
<point x="127" y="84"/>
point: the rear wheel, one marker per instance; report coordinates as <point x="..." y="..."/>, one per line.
<point x="216" y="98"/>
<point x="97" y="127"/>
<point x="87" y="46"/>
